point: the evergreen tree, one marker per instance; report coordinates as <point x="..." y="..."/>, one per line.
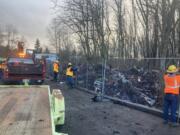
<point x="47" y="50"/>
<point x="37" y="46"/>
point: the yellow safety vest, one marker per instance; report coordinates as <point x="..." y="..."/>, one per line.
<point x="2" y="66"/>
<point x="56" y="67"/>
<point x="69" y="72"/>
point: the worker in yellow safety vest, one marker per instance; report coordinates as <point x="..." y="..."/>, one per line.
<point x="70" y="72"/>
<point x="171" y="90"/>
<point x="56" y="69"/>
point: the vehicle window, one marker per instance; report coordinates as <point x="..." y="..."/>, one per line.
<point x="20" y="60"/>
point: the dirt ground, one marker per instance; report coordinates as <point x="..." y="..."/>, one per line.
<point x="83" y="117"/>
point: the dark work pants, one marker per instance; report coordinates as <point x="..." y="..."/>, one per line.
<point x="1" y="73"/>
<point x="170" y="103"/>
<point x="55" y="76"/>
<point x="70" y="81"/>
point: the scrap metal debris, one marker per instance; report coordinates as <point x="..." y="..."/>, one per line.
<point x="135" y="85"/>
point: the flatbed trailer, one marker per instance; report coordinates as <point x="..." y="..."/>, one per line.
<point x="29" y="110"/>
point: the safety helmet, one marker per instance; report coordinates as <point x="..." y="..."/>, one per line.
<point x="172" y="69"/>
<point x="69" y="64"/>
<point x="56" y="61"/>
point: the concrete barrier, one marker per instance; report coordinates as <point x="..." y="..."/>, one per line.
<point x="139" y="107"/>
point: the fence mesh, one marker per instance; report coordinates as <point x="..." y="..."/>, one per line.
<point x="135" y="80"/>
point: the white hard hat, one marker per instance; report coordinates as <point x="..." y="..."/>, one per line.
<point x="56" y="61"/>
<point x="69" y="64"/>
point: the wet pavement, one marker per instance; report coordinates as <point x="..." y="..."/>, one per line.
<point x="84" y="117"/>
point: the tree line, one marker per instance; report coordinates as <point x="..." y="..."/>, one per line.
<point x="117" y="28"/>
<point x="9" y="38"/>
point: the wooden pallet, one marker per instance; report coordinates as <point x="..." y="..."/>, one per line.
<point x="25" y="111"/>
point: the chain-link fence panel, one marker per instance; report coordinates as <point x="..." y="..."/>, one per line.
<point x="135" y="80"/>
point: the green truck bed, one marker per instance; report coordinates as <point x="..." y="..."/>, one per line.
<point x="27" y="111"/>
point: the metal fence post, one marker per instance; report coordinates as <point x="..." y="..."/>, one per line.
<point x="87" y="75"/>
<point x="104" y="77"/>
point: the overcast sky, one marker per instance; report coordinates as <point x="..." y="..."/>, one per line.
<point x="30" y="17"/>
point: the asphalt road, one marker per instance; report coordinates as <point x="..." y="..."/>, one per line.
<point x="84" y="117"/>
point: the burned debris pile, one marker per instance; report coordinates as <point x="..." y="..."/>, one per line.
<point x="134" y="85"/>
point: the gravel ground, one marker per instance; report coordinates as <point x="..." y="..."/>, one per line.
<point x="83" y="117"/>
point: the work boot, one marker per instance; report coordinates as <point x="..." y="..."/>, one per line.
<point x="174" y="124"/>
<point x="165" y="122"/>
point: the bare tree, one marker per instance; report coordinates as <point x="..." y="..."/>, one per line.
<point x="143" y="28"/>
<point x="11" y="35"/>
<point x="60" y="38"/>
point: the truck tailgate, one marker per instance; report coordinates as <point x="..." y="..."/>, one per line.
<point x="26" y="69"/>
<point x="25" y="111"/>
